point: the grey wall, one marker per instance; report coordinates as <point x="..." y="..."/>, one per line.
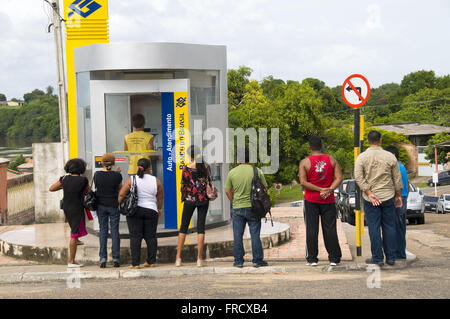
<point x="48" y="168"/>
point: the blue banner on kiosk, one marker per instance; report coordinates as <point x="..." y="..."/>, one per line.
<point x="175" y="119"/>
<point x="169" y="165"/>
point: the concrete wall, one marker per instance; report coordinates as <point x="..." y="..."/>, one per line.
<point x="20" y="199"/>
<point x="48" y="168"/>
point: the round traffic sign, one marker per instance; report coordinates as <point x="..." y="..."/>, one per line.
<point x="355" y="91"/>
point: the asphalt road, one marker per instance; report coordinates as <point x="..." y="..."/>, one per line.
<point x="430" y="191"/>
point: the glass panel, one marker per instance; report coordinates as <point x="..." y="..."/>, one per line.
<point x="117" y="112"/>
<point x="83" y="111"/>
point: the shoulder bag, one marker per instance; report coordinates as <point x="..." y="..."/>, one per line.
<point x="211" y="190"/>
<point x="90" y="199"/>
<point x="129" y="205"/>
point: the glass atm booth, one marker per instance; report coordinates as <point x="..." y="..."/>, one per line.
<point x="181" y="89"/>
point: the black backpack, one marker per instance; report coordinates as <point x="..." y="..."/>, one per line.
<point x="259" y="197"/>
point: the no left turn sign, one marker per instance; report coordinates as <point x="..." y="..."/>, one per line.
<point x="356" y="91"/>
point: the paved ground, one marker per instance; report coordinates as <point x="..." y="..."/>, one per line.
<point x="427" y="277"/>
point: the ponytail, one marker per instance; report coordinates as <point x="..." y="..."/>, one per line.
<point x="143" y="165"/>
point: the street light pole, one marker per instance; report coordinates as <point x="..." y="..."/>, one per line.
<point x="56" y="19"/>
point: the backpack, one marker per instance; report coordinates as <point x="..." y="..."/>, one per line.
<point x="259" y="198"/>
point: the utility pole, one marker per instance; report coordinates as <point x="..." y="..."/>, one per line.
<point x="64" y="131"/>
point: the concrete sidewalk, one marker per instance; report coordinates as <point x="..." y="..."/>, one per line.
<point x="286" y="258"/>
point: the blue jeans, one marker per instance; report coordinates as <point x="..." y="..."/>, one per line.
<point x="111" y="214"/>
<point x="240" y="217"/>
<point x="400" y="225"/>
<point x="381" y="221"/>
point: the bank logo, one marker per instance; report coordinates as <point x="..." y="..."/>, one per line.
<point x="83" y="7"/>
<point x="181" y="102"/>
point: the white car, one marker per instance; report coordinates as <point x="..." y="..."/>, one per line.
<point x="415" y="205"/>
<point x="443" y="204"/>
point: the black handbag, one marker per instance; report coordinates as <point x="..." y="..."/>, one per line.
<point x="129" y="205"/>
<point x="90" y="199"/>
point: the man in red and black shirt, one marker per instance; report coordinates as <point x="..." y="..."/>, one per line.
<point x="320" y="174"/>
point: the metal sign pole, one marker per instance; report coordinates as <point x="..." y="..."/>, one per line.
<point x="356" y="129"/>
<point x="64" y="130"/>
<point x="361" y="149"/>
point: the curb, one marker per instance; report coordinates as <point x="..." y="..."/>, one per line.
<point x="76" y="273"/>
<point x="399" y="264"/>
<point x="72" y="273"/>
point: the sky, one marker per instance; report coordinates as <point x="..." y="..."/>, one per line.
<point x="290" y="40"/>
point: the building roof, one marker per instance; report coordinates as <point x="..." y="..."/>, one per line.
<point x="413" y="129"/>
<point x="447" y="143"/>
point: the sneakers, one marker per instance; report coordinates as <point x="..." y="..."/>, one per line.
<point x="178" y="263"/>
<point x="74" y="265"/>
<point x="135" y="267"/>
<point x="238" y="265"/>
<point x="116" y="264"/>
<point x="333" y="264"/>
<point x="147" y="265"/>
<point x="103" y="264"/>
<point x="261" y="264"/>
<point x="313" y="264"/>
<point x="390" y="263"/>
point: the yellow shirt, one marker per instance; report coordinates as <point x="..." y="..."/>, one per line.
<point x="137" y="141"/>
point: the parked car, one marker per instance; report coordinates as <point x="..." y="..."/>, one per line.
<point x="345" y="204"/>
<point x="430" y="203"/>
<point x="443" y="204"/>
<point x="443" y="177"/>
<point x="415" y="205"/>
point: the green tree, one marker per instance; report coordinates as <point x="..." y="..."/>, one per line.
<point x="18" y="160"/>
<point x="28" y="97"/>
<point x="273" y="88"/>
<point x="443" y="82"/>
<point x="416" y="81"/>
<point x="49" y="90"/>
<point x="383" y="101"/>
<point x="425" y="106"/>
<point x="389" y="139"/>
<point x="237" y="80"/>
<point x="2" y="97"/>
<point x="338" y="142"/>
<point x="442" y="150"/>
<point x="296" y="113"/>
<point x="38" y="119"/>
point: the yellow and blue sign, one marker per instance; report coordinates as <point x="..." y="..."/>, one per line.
<point x="86" y="23"/>
<point x="175" y="125"/>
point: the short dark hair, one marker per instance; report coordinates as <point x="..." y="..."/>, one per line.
<point x="393" y="149"/>
<point x="315" y="142"/>
<point x="138" y="120"/>
<point x="75" y="166"/>
<point x="374" y="137"/>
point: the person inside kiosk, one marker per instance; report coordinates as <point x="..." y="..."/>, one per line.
<point x="138" y="141"/>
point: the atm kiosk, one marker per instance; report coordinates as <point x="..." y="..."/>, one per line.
<point x="181" y="89"/>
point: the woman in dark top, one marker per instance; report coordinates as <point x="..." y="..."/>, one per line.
<point x="74" y="187"/>
<point x="108" y="184"/>
<point x="194" y="180"/>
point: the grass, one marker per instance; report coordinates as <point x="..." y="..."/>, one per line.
<point x="287" y="194"/>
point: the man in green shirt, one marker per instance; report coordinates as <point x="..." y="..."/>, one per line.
<point x="237" y="188"/>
